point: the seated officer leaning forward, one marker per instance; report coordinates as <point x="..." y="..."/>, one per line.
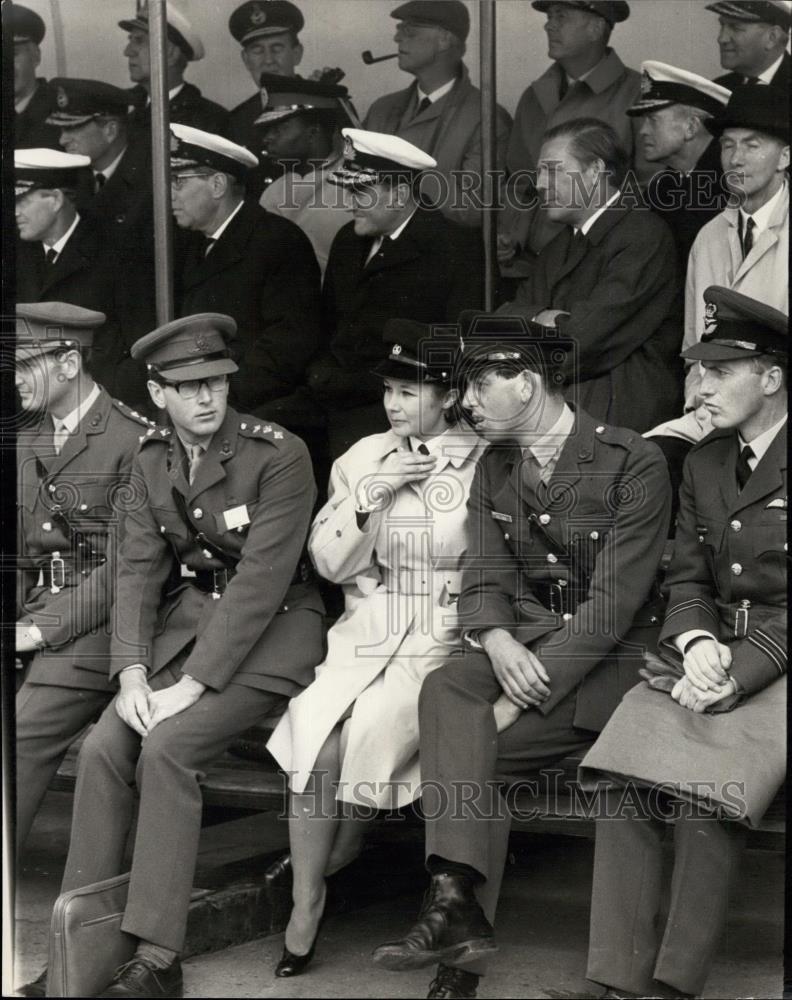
<point x="73" y="461"/>
<point x="566" y="525"/>
<point x="218" y="624"/>
<point x="716" y="748"/>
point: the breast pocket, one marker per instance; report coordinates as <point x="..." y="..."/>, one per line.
<point x="710" y="538"/>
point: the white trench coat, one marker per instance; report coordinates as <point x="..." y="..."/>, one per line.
<point x="401" y="574"/>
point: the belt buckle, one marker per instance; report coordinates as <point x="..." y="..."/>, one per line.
<point x="57" y="566"/>
<point x="219" y="578"/>
<point x="556" y="599"/>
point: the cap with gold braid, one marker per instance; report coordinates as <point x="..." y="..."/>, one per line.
<point x="46" y="327"/>
<point x="180" y="31"/>
<point x="370" y="157"/>
<point x="284" y="96"/>
<point x="258" y="18"/>
<point x="192" y="147"/>
<point x="47" y="169"/>
<point x="193" y="347"/>
<point x="663" y="85"/>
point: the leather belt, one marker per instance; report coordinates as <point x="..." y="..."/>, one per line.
<point x="211" y="581"/>
<point x="57" y="572"/>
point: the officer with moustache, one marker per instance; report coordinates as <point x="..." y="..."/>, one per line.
<point x="218" y="624"/>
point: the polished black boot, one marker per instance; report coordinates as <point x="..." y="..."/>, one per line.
<point x="452" y="984"/>
<point x="140" y="978"/>
<point x="451" y="927"/>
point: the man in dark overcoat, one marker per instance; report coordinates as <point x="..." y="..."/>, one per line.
<point x="34" y="98"/>
<point x="250" y="264"/>
<point x="711" y="756"/>
<point x="73" y="460"/>
<point x="567" y="520"/>
<point x="609" y="281"/>
<point x="218" y="623"/>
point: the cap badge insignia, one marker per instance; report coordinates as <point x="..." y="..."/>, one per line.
<point x="349" y="149"/>
<point x="711" y="316"/>
<point x="396" y="349"/>
<point x="264" y="97"/>
<point x="258" y="16"/>
<point x="646" y="84"/>
<point x="62" y="98"/>
<point x="201" y="343"/>
<point x="174" y="143"/>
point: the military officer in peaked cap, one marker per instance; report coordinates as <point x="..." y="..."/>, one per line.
<point x="33" y="96"/>
<point x="218" y="623"/>
<point x="186" y="103"/>
<point x="567" y="520"/>
<point x="75" y="447"/>
<point x="712" y="714"/>
<point x="753" y="40"/>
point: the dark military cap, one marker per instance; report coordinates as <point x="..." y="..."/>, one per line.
<point x="283" y="96"/>
<point x="415" y="354"/>
<point x="449" y="14"/>
<point x="192" y="147"/>
<point x="79" y="101"/>
<point x="663" y="85"/>
<point x="25" y="23"/>
<point x="47" y="169"/>
<point x="264" y="17"/>
<point x="180" y="31"/>
<point x="737" y="326"/>
<point x="45" y="327"/>
<point x="760" y="109"/>
<point x="488" y="340"/>
<point x="194" y="347"/>
<point x="770" y="11"/>
<point x="612" y="12"/>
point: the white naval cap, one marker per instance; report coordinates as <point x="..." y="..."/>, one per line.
<point x="192" y="147"/>
<point x="180" y="31"/>
<point x="663" y="85"/>
<point x="371" y="156"/>
<point x="46" y="168"/>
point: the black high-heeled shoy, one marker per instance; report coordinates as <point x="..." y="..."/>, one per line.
<point x="294" y="965"/>
<point x="279" y="875"/>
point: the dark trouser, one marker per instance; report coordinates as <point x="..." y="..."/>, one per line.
<point x="463" y="759"/>
<point x="166" y="767"/>
<point x="48" y="720"/>
<point x="628" y="949"/>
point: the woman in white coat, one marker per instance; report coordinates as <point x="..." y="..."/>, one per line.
<point x="393" y="534"/>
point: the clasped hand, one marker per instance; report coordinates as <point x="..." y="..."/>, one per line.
<point x="706" y="664"/>
<point x="143" y="709"/>
<point x="520" y="673"/>
<point x="402" y="467"/>
<point x="697" y="700"/>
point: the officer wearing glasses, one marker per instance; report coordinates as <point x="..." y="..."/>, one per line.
<point x="219" y="623"/>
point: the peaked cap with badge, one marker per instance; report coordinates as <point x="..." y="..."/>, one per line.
<point x="46" y="169"/>
<point x="488" y="339"/>
<point x="284" y="96"/>
<point x="612" y="12"/>
<point x="452" y="15"/>
<point x="760" y="109"/>
<point x="194" y="347"/>
<point x="180" y="31"/>
<point x="25" y="23"/>
<point x="259" y="18"/>
<point x="739" y="327"/>
<point x="192" y="147"/>
<point x="371" y="157"/>
<point x="415" y="353"/>
<point x="663" y="85"/>
<point x="45" y="327"/>
<point x="768" y="11"/>
<point x="80" y="101"/>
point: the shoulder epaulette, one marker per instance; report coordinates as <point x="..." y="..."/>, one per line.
<point x="261" y="430"/>
<point x="154" y="433"/>
<point x="132" y="414"/>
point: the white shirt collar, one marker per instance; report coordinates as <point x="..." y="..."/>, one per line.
<point x="72" y="420"/>
<point x="762" y="215"/>
<point x="108" y="171"/>
<point x="400" y="229"/>
<point x="224" y="225"/>
<point x="437" y="94"/>
<point x="590" y="222"/>
<point x="770" y="72"/>
<point x="22" y="103"/>
<point x="171" y="93"/>
<point x="760" y="444"/>
<point x="61" y="243"/>
<point x="549" y="445"/>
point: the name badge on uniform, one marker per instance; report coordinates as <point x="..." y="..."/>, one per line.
<point x="236" y="517"/>
<point x="779" y="502"/>
<point x="501" y="517"/>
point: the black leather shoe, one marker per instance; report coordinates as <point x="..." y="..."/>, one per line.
<point x="451" y="927"/>
<point x="139" y="978"/>
<point x="452" y="984"/>
<point x="38" y="988"/>
<point x="279" y="875"/>
<point x="293" y="965"/>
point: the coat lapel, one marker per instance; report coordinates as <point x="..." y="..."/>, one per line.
<point x="767" y="477"/>
<point x="228" y="250"/>
<point x="211" y="469"/>
<point x="69" y="262"/>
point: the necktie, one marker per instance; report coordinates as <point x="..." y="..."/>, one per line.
<point x="531" y="476"/>
<point x="60" y="435"/>
<point x="51" y="255"/>
<point x="563" y="87"/>
<point x="747" y="235"/>
<point x="99" y="180"/>
<point x="751" y="81"/>
<point x="422" y="449"/>
<point x="376" y="246"/>
<point x="210" y="242"/>
<point x="195" y="454"/>
<point x="744" y="470"/>
<point x="423" y="104"/>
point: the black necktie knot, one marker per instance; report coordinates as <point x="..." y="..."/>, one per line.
<point x="744" y="470"/>
<point x="422" y="449"/>
<point x="51" y="256"/>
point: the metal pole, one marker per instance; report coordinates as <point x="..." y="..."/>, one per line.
<point x="488" y="147"/>
<point x="160" y="160"/>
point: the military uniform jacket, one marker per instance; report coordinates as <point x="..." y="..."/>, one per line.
<point x="252" y="498"/>
<point x="430" y="274"/>
<point x="188" y="107"/>
<point x="263" y="272"/>
<point x="450" y="131"/>
<point x="30" y="126"/>
<point x="90" y="483"/>
<point x="607" y="504"/>
<point x="781" y="79"/>
<point x="729" y="572"/>
<point x="621" y="287"/>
